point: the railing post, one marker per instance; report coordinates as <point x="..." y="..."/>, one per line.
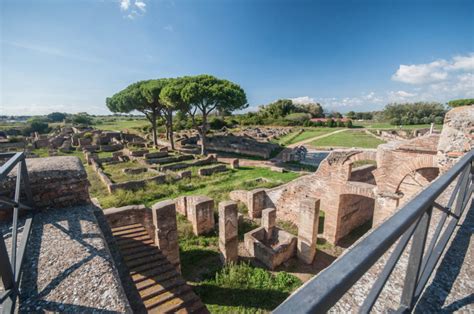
<point x="415" y="259"/>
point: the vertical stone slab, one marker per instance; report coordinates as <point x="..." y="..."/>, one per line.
<point x="181" y="205"/>
<point x="228" y="231"/>
<point x="308" y="229"/>
<point x="234" y="163"/>
<point x="200" y="211"/>
<point x="164" y="219"/>
<point x="269" y="221"/>
<point x="256" y="202"/>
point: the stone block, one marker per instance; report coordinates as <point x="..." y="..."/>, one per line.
<point x="234" y="163"/>
<point x="269" y="221"/>
<point x="185" y="174"/>
<point x="211" y="170"/>
<point x="164" y="220"/>
<point x="308" y="229"/>
<point x="228" y="231"/>
<point x="256" y="202"/>
<point x="181" y="205"/>
<point x="200" y="211"/>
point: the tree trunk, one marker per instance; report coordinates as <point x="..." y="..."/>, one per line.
<point x="169" y="126"/>
<point x="153" y="126"/>
<point x="202" y="133"/>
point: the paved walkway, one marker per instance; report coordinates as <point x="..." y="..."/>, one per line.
<point x="309" y="140"/>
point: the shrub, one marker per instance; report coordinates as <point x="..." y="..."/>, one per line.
<point x="461" y="102"/>
<point x="88" y="135"/>
<point x="298" y="118"/>
<point x="395" y="121"/>
<point x="330" y="123"/>
<point x="438" y="120"/>
<point x="349" y="124"/>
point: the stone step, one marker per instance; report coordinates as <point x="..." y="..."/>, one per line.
<point x="137" y="249"/>
<point x="159" y="288"/>
<point x="148" y="271"/>
<point x="170" y="299"/>
<point x="127" y="227"/>
<point x="132" y="235"/>
<point x="128" y="231"/>
<point x="131" y="245"/>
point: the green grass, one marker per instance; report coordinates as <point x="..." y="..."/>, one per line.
<point x="386" y="125"/>
<point x="216" y="186"/>
<point x="241" y="288"/>
<point x="348" y="139"/>
<point x="121" y="124"/>
<point x="115" y="173"/>
<point x="308" y="133"/>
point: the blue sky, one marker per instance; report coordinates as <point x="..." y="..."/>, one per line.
<point x="65" y="55"/>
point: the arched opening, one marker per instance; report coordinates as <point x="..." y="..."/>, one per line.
<point x="415" y="181"/>
<point x="355" y="217"/>
<point x="361" y="171"/>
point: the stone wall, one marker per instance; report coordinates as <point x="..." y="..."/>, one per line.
<point x="56" y="182"/>
<point x="132" y="214"/>
<point x="241" y="145"/>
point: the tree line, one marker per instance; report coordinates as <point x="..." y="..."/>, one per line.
<point x="195" y="96"/>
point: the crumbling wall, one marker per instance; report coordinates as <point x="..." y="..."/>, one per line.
<point x="56" y="182"/>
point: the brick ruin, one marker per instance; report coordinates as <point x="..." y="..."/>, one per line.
<point x="350" y="196"/>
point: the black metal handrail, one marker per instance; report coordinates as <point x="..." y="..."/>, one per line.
<point x="11" y="267"/>
<point x="412" y="221"/>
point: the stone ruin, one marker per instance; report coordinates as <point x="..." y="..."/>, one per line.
<point x="351" y="197"/>
<point x="269" y="244"/>
<point x="228" y="231"/>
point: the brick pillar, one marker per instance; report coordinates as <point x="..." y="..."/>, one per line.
<point x="228" y="224"/>
<point x="256" y="202"/>
<point x="164" y="219"/>
<point x="385" y="206"/>
<point x="308" y="229"/>
<point x="269" y="221"/>
<point x="201" y="214"/>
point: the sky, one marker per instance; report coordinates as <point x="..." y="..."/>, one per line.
<point x="69" y="55"/>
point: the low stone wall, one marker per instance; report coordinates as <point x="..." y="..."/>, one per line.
<point x="168" y="160"/>
<point x="200" y="162"/>
<point x="211" y="170"/>
<point x="240" y="145"/>
<point x="56" y="182"/>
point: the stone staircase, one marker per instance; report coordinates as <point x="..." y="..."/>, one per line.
<point x="160" y="287"/>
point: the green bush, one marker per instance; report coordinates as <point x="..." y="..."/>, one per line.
<point x="438" y="120"/>
<point x="461" y="102"/>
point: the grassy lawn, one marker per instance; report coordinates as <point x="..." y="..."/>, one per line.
<point x="348" y="139"/>
<point x="387" y="125"/>
<point x="216" y="186"/>
<point x="121" y="124"/>
<point x="296" y="137"/>
<point x="116" y="174"/>
<point x="235" y="288"/>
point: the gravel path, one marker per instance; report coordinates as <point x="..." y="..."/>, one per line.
<point x="68" y="267"/>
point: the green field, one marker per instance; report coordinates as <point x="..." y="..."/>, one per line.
<point x="348" y="139"/>
<point x="297" y="136"/>
<point x="386" y="125"/>
<point x="121" y="124"/>
<point x="216" y="186"/>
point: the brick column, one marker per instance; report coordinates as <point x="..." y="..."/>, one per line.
<point x="228" y="225"/>
<point x="201" y="214"/>
<point x="269" y="221"/>
<point x="256" y="202"/>
<point x="164" y="219"/>
<point x="308" y="229"/>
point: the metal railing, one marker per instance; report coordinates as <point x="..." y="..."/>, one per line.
<point x="412" y="221"/>
<point x="11" y="267"/>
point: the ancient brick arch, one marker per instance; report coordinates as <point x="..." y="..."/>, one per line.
<point x="390" y="175"/>
<point x="362" y="155"/>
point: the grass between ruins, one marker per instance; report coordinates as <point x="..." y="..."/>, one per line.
<point x="307" y="133"/>
<point x="348" y="139"/>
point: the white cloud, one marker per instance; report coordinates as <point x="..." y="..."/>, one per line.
<point x="404" y="94"/>
<point x="133" y="10"/>
<point x="141" y="5"/>
<point x="436" y="71"/>
<point x="421" y="73"/>
<point x="303" y="100"/>
<point x="124" y="4"/>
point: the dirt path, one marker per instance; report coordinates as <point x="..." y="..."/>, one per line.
<point x="309" y="140"/>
